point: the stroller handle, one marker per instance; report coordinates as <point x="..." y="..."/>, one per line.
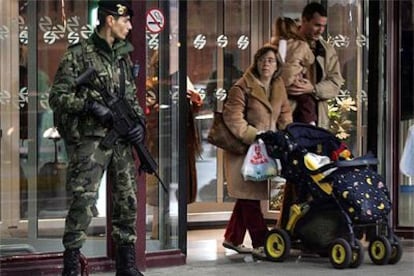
<point x="365" y="160"/>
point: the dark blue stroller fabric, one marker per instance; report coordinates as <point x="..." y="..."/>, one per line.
<point x="314" y="139"/>
<point x="361" y="192"/>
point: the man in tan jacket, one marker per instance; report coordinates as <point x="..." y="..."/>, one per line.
<point x="326" y="79"/>
<point x="325" y="72"/>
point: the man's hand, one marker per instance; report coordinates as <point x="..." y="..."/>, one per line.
<point x="136" y="134"/>
<point x="300" y="87"/>
<point x="99" y="111"/>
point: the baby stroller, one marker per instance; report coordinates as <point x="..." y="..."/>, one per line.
<point x="335" y="200"/>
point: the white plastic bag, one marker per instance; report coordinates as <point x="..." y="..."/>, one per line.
<point x="257" y="165"/>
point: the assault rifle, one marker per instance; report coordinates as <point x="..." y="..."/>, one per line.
<point x="124" y="119"/>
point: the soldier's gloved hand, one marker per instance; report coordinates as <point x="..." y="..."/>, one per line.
<point x="136" y="134"/>
<point x="100" y="112"/>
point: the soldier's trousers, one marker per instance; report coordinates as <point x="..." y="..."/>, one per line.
<point x="87" y="163"/>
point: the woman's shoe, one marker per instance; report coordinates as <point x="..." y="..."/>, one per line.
<point x="241" y="249"/>
<point x="258" y="253"/>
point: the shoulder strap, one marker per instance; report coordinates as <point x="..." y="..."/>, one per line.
<point x="84" y="52"/>
<point x="79" y="51"/>
<point x="243" y="90"/>
<point x="122" y="78"/>
<point x="246" y="98"/>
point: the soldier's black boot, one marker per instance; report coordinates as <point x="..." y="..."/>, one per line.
<point x="125" y="261"/>
<point x="71" y="262"/>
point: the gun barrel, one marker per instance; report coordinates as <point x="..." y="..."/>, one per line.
<point x="148" y="164"/>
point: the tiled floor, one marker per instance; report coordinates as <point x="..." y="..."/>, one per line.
<point x="206" y="256"/>
<point x="206" y="245"/>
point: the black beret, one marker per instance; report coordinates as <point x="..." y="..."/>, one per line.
<point x="116" y="7"/>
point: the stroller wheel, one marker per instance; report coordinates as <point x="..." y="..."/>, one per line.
<point x="357" y="255"/>
<point x="396" y="250"/>
<point x="379" y="250"/>
<point x="340" y="253"/>
<point x="277" y="245"/>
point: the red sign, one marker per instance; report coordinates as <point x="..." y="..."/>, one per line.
<point x="155" y="21"/>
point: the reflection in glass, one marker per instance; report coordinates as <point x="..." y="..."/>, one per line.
<point x="406" y="185"/>
<point x="217" y="55"/>
<point x="162" y="107"/>
<point x="42" y="196"/>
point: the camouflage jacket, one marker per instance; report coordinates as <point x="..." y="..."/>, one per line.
<point x="68" y="101"/>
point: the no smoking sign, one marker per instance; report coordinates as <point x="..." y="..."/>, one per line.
<point x="155" y="21"/>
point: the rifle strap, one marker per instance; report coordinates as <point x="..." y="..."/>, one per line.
<point x="220" y="107"/>
<point x="122" y="78"/>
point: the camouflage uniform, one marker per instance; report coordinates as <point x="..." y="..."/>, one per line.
<point x="83" y="133"/>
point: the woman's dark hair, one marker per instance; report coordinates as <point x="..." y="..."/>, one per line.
<point x="260" y="53"/>
<point x="312" y="8"/>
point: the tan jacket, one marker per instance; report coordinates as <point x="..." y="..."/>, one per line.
<point x="299" y="57"/>
<point x="329" y="86"/>
<point x="261" y="114"/>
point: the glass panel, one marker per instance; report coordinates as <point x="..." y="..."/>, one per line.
<point x="152" y="116"/>
<point x="406" y="191"/>
<point x="52" y="197"/>
<point x="202" y="59"/>
<point x="42" y="199"/>
<point x="13" y="100"/>
<point x="236" y="55"/>
<point x="162" y="109"/>
<point x="347" y="33"/>
<point x="218" y="53"/>
<point x="288" y="8"/>
<point x="60" y="24"/>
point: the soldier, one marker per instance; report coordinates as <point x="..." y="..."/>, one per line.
<point x="84" y="120"/>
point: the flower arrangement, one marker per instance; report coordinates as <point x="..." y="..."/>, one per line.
<point x="339" y="110"/>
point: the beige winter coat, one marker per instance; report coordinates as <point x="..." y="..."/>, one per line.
<point x="262" y="114"/>
<point x="329" y="86"/>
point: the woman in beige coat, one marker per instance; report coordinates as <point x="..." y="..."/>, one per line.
<point x="256" y="103"/>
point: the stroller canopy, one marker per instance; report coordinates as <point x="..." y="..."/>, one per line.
<point x="315" y="139"/>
